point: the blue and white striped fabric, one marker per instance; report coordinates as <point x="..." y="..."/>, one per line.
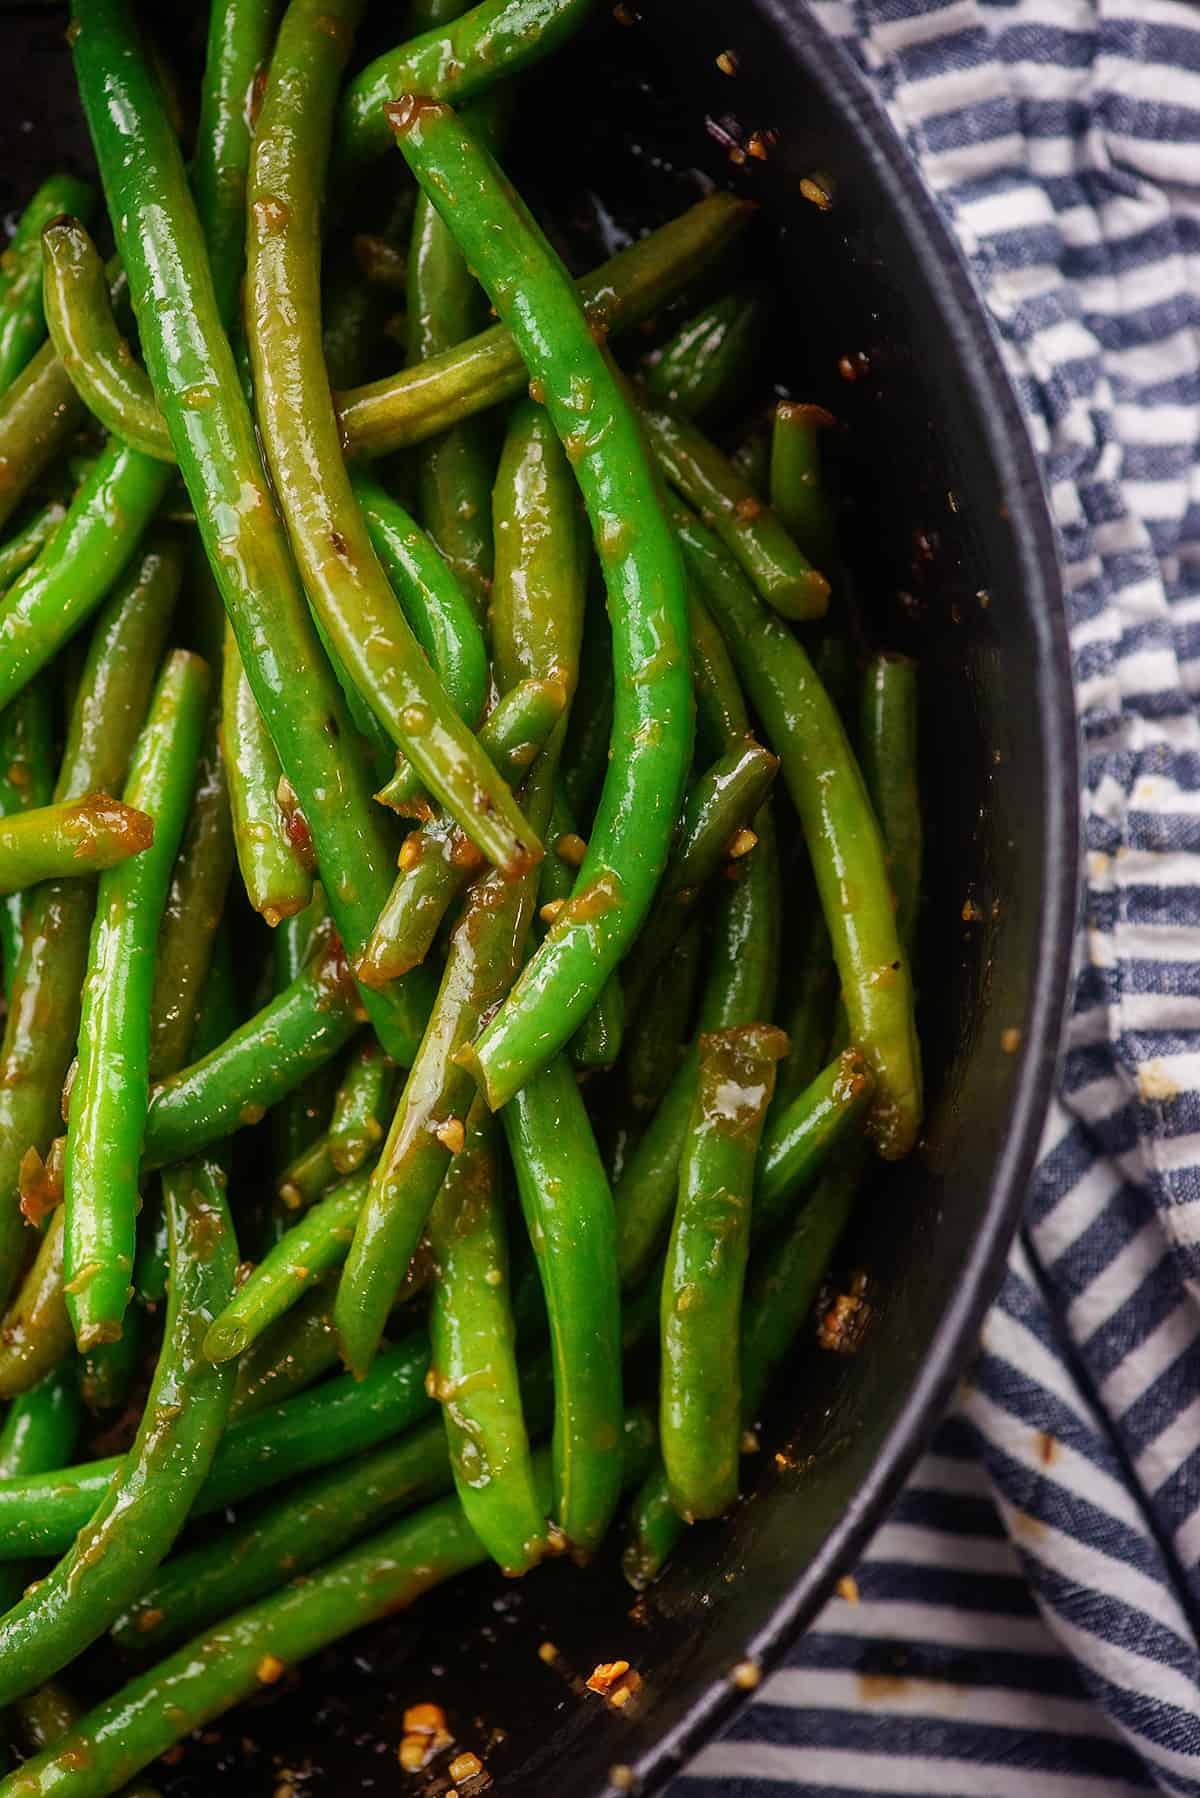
<point x="1026" y="1621"/>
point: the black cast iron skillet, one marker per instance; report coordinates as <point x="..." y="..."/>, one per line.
<point x="956" y="554"/>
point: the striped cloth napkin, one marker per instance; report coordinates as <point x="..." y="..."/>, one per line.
<point x="1027" y="1621"/>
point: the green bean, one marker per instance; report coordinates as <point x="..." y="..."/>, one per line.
<point x="355" y="307"/>
<point x="106" y="1369"/>
<point x="432" y="599"/>
<point x="297" y="1032"/>
<point x="40" y="1427"/>
<point x="25" y="545"/>
<point x="22" y="324"/>
<point x="722" y="722"/>
<point x="798" y="491"/>
<point x="341" y="1418"/>
<point x="568" y="1209"/>
<point x="700" y="1403"/>
<point x="91" y="346"/>
<point x="188" y="358"/>
<point x="290" y="1355"/>
<point x="47" y="1714"/>
<point x="240" y="36"/>
<point x="598" y="1041"/>
<point x="108" y="1096"/>
<point x="813" y="997"/>
<point x="147" y="1505"/>
<point x="888" y="742"/>
<point x="485" y="953"/>
<point x="276" y="871"/>
<point x="192" y="913"/>
<point x="43" y="1016"/>
<point x="418" y="403"/>
<point x="214" y="1671"/>
<point x="77" y="836"/>
<point x="662" y="1029"/>
<point x="710" y="361"/>
<point x="839" y="826"/>
<point x="79" y="564"/>
<point x="585" y="752"/>
<point x="445" y="306"/>
<point x="355" y="1129"/>
<point x="753" y="534"/>
<point x="630" y="835"/>
<point x="473" y="1370"/>
<point x="38" y="415"/>
<point x="782" y="1289"/>
<point x="752" y="459"/>
<point x="297" y="1114"/>
<point x="457" y="59"/>
<point x="512" y="734"/>
<point x="339" y="567"/>
<point x="309" y="1249"/>
<point x="37" y="1330"/>
<point x="26" y="781"/>
<point x="713" y="831"/>
<point x="800" y="1136"/>
<point x="739" y="989"/>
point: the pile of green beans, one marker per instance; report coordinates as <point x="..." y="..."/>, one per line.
<point x="452" y="936"/>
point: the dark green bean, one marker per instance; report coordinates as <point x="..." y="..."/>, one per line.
<point x="240" y="36"/>
<point x="188" y="358"/>
<point x="568" y="1208"/>
<point x="585" y="752"/>
<point x="662" y="1030"/>
<point x="91" y="346"/>
<point x="298" y="1260"/>
<point x="37" y="1330"/>
<point x="109" y="1092"/>
<point x="813" y="992"/>
<point x="26" y="781"/>
<point x="71" y="837"/>
<point x="840" y="829"/>
<point x="709" y="364"/>
<point x="267" y="1057"/>
<point x="798" y="491"/>
<point x="455" y="60"/>
<point x="290" y="1356"/>
<point x="43" y="1017"/>
<point x="147" y="1505"/>
<point x="40" y="1427"/>
<point x="341" y="1418"/>
<point x="25" y="545"/>
<point x="754" y="535"/>
<point x="106" y="1369"/>
<point x="38" y="415"/>
<point x="473" y="1370"/>
<point x="276" y="870"/>
<point x="652" y="734"/>
<point x="214" y="1671"/>
<point x="418" y="403"/>
<point x="888" y="744"/>
<point x="752" y="459"/>
<point x="22" y="324"/>
<point x="722" y="722"/>
<point x="700" y="1403"/>
<point x="339" y="567"/>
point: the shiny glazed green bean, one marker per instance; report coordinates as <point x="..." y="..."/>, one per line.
<point x="26" y="781"/>
<point x="516" y="728"/>
<point x="38" y="416"/>
<point x="240" y="36"/>
<point x="22" y="324"/>
<point x="40" y="1427"/>
<point x="709" y="364"/>
<point x="109" y="1092"/>
<point x="652" y="733"/>
<point x="276" y="871"/>
<point x="798" y="491"/>
<point x="148" y="1502"/>
<point x="70" y="837"/>
<point x="888" y="745"/>
<point x="25" y="545"/>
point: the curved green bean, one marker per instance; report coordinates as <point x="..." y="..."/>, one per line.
<point x="43" y="1017"/>
<point x="431" y="597"/>
<point x="418" y="403"/>
<point x="700" y="1397"/>
<point x="22" y="323"/>
<point x="340" y="1418"/>
<point x="90" y="345"/>
<point x="217" y="1669"/>
<point x="298" y="1260"/>
<point x="843" y="838"/>
<point x="720" y="806"/>
<point x="25" y="545"/>
<point x="56" y="593"/>
<point x="276" y="871"/>
<point x="251" y="1071"/>
<point x="145" y="1508"/>
<point x="340" y="569"/>
<point x="26" y="782"/>
<point x="473" y="1369"/>
<point x="484" y="955"/>
<point x="888" y="745"/>
<point x="782" y="574"/>
<point x="457" y="59"/>
<point x="74" y="836"/>
<point x="652" y="732"/>
<point x="568" y="1209"/>
<point x="109" y="1093"/>
<point x="195" y="380"/>
<point x="708" y="365"/>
